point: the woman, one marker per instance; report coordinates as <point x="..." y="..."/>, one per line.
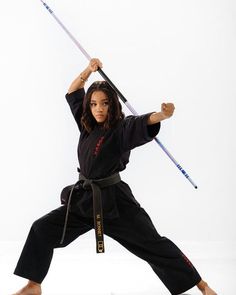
<point x="100" y="199"/>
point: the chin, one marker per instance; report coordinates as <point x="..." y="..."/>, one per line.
<point x="100" y="120"/>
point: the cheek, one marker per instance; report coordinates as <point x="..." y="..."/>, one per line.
<point x="106" y="112"/>
<point x="92" y="110"/>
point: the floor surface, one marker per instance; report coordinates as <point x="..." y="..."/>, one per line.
<point x="78" y="270"/>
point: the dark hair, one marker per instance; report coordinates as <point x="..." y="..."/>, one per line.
<point x="115" y="113"/>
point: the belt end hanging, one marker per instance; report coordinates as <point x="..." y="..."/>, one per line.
<point x="100" y="247"/>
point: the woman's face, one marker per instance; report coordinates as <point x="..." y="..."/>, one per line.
<point x="99" y="106"/>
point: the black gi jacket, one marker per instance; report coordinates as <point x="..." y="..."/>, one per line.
<point x="102" y="153"/>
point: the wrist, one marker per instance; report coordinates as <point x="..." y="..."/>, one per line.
<point x="85" y="74"/>
<point x="163" y="116"/>
<point x="82" y="78"/>
<point x="159" y="116"/>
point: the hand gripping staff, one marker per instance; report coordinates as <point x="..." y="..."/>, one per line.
<point x="121" y="96"/>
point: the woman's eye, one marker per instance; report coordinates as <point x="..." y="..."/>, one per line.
<point x="93" y="104"/>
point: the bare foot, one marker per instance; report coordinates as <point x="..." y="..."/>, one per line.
<point x="31" y="288"/>
<point x="205" y="289"/>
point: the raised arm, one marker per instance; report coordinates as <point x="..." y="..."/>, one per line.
<point x="79" y="82"/>
<point x="167" y="110"/>
<point x="75" y="94"/>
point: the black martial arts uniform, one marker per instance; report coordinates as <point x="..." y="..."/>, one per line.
<point x="102" y="153"/>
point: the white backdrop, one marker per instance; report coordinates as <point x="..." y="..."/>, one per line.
<point x="154" y="51"/>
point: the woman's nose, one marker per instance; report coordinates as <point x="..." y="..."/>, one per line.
<point x="99" y="107"/>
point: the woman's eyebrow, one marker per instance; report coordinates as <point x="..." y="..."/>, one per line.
<point x="102" y="100"/>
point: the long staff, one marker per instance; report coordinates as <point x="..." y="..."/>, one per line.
<point x="117" y="91"/>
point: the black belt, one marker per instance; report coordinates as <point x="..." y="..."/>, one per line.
<point x="95" y="185"/>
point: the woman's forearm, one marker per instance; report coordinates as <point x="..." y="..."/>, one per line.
<point x="155" y="118"/>
<point x="167" y="110"/>
<point x="80" y="80"/>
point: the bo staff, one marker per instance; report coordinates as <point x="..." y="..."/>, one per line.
<point x="121" y="96"/>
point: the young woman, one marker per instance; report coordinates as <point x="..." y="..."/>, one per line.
<point x="100" y="199"/>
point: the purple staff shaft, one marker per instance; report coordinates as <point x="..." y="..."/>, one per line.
<point x="118" y="92"/>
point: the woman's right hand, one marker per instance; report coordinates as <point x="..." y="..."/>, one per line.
<point x="94" y="64"/>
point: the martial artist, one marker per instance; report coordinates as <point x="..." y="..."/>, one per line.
<point x="100" y="199"/>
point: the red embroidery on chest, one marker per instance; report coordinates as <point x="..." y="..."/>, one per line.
<point x="98" y="146"/>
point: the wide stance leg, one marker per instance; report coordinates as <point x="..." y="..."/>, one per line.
<point x="44" y="236"/>
<point x="136" y="232"/>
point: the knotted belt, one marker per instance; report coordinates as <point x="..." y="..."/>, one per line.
<point x="95" y="185"/>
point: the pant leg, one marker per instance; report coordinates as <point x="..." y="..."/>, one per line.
<point x="136" y="232"/>
<point x="45" y="235"/>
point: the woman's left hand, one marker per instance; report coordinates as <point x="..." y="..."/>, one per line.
<point x="167" y="109"/>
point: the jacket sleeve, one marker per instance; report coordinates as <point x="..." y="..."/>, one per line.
<point x="75" y="101"/>
<point x="135" y="132"/>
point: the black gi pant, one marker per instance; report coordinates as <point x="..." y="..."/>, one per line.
<point x="133" y="229"/>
